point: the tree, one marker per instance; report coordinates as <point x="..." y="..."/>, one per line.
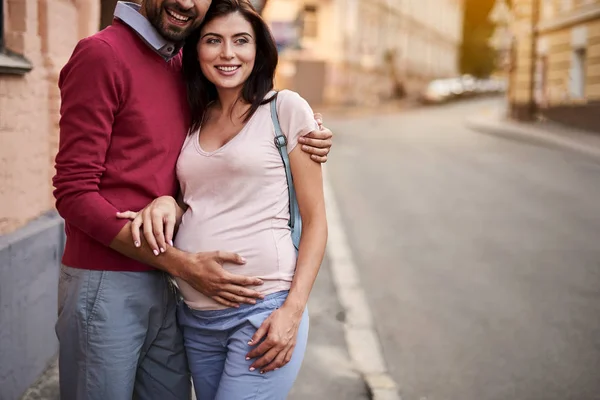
<point x="476" y="56"/>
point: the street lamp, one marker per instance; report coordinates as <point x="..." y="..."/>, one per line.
<point x="535" y="16"/>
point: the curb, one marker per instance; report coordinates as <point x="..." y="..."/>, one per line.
<point x="362" y="340"/>
<point x="506" y="128"/>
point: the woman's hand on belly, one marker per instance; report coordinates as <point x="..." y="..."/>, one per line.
<point x="157" y="221"/>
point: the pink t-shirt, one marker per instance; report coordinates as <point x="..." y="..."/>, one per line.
<point x="238" y="198"/>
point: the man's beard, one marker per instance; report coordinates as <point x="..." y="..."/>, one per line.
<point x="173" y="33"/>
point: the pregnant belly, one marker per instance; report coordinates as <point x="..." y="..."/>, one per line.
<point x="269" y="253"/>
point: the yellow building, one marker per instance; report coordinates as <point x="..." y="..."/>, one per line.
<point x="564" y="82"/>
<point x="364" y="51"/>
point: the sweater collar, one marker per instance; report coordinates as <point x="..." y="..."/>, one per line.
<point x="129" y="13"/>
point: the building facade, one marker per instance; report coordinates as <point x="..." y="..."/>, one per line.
<point x="363" y="52"/>
<point x="36" y="39"/>
<point x="556" y="61"/>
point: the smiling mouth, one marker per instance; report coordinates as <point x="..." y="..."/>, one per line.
<point x="178" y="17"/>
<point x="227" y="68"/>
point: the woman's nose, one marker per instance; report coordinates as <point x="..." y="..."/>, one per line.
<point x="227" y="52"/>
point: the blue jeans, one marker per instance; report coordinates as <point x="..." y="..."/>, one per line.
<point x="119" y="337"/>
<point x="216" y="343"/>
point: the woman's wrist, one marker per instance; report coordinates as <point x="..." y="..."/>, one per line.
<point x="295" y="305"/>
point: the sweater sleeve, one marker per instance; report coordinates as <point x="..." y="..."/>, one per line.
<point x="90" y="88"/>
<point x="295" y="116"/>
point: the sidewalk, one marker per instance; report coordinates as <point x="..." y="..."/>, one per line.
<point x="326" y="373"/>
<point x="542" y="133"/>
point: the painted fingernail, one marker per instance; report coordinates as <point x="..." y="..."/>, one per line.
<point x="250" y="343"/>
<point x="171" y="242"/>
<point x="247" y="358"/>
<point x="137" y="244"/>
<point x="262" y="372"/>
<point x="162" y="250"/>
<point x="243" y="260"/>
<point x="252" y="368"/>
<point x="155" y="252"/>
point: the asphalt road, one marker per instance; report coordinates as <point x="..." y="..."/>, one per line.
<point x="480" y="255"/>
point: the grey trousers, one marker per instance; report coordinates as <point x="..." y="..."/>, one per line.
<point x="119" y="338"/>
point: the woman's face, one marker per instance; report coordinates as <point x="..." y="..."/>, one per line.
<point x="227" y="50"/>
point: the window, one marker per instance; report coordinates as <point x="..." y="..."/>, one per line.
<point x="577" y="84"/>
<point x="310" y="23"/>
<point x="10" y="63"/>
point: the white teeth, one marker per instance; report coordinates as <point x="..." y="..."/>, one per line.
<point x="178" y="17"/>
<point x="227" y="69"/>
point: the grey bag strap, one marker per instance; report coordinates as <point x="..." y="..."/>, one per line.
<point x="281" y="144"/>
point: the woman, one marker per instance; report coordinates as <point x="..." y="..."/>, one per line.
<point x="234" y="186"/>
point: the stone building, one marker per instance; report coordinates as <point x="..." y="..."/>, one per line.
<point x="563" y="81"/>
<point x="361" y="52"/>
<point x="36" y="39"/>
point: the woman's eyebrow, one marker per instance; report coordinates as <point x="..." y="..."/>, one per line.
<point x="221" y="36"/>
<point x="212" y="34"/>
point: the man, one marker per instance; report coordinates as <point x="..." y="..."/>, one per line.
<point x="123" y="121"/>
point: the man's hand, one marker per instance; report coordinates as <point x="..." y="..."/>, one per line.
<point x="205" y="273"/>
<point x="317" y="143"/>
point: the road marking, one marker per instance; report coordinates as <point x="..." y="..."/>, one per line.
<point x="362" y="340"/>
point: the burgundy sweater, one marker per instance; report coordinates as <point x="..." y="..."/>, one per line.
<point x="124" y="119"/>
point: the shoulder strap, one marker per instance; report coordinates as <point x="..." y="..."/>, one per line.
<point x="281" y="144"/>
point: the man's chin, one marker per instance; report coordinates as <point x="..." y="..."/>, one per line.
<point x="174" y="35"/>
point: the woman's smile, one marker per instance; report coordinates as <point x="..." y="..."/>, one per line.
<point x="228" y="70"/>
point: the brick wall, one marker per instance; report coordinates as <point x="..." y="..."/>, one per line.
<point x="31" y="234"/>
<point x="45" y="32"/>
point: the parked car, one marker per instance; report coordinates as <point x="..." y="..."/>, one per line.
<point x="443" y="90"/>
<point x="437" y="91"/>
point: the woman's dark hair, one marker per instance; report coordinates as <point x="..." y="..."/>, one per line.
<point x="201" y="92"/>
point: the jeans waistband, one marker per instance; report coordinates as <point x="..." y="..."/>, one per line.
<point x="227" y="312"/>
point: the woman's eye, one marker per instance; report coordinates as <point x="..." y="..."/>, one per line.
<point x="212" y="41"/>
<point x="242" y="41"/>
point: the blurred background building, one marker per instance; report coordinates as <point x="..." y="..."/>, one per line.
<point x="556" y="61"/>
<point x="362" y="52"/>
<point x="36" y="39"/>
